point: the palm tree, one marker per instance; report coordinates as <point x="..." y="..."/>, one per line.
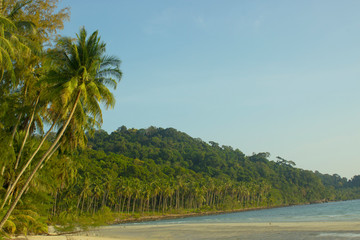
<point x="16" y="50"/>
<point x="78" y="84"/>
<point x="13" y="44"/>
<point x="7" y="50"/>
<point x="156" y="189"/>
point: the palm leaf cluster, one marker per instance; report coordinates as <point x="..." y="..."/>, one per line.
<point x="81" y="69"/>
<point x="16" y="42"/>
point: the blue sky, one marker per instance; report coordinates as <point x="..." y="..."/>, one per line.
<point x="262" y="76"/>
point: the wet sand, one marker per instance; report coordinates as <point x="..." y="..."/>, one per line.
<point x="229" y="231"/>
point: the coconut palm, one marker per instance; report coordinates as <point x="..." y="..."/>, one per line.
<point x="13" y="42"/>
<point x="78" y="84"/>
<point x="7" y="50"/>
<point x="15" y="46"/>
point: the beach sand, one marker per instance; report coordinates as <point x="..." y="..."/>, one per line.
<point x="229" y="231"/>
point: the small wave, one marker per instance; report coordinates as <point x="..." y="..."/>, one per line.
<point x="340" y="235"/>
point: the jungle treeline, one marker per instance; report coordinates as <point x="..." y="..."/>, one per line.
<point x="157" y="171"/>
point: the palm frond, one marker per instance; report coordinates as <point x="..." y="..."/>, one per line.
<point x="19" y="5"/>
<point x="107" y="97"/>
<point x="107" y="82"/>
<point x="7" y="23"/>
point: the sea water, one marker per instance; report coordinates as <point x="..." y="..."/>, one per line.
<point x="322" y="212"/>
<point x="224" y="226"/>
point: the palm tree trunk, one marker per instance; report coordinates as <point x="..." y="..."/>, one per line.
<point x="123" y="204"/>
<point x="128" y="204"/>
<point x="79" y="201"/>
<point x="159" y="204"/>
<point x="27" y="132"/>
<point x="13" y="205"/>
<point x="95" y="204"/>
<point x="89" y="203"/>
<point x="181" y="201"/>
<point x="154" y="203"/>
<point x="177" y="199"/>
<point x="12" y="186"/>
<point x="18" y="120"/>
<point x="134" y="204"/>
<point x="164" y="203"/>
<point x="55" y="201"/>
<point x="120" y="200"/>
<point x="103" y="199"/>
<point x="82" y="205"/>
<point x="141" y="204"/>
<point x="14" y="130"/>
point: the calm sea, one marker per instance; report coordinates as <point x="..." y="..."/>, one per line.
<point x="322" y="212"/>
<point x="223" y="226"/>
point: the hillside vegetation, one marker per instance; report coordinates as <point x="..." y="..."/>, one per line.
<point x="155" y="171"/>
<point x="215" y="173"/>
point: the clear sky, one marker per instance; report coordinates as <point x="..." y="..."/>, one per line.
<point x="262" y="76"/>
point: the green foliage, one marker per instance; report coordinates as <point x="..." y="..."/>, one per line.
<point x="157" y="170"/>
<point x="7" y="158"/>
<point x="10" y="227"/>
<point x="132" y="173"/>
<point x="25" y="221"/>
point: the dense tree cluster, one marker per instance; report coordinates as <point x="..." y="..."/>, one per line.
<point x="58" y="86"/>
<point x="157" y="170"/>
<point x="176" y="154"/>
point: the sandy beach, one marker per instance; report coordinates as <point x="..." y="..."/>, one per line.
<point x="263" y="231"/>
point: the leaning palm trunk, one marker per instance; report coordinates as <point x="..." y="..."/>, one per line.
<point x="13" y="205"/>
<point x="14" y="130"/>
<point x="17" y="122"/>
<point x="27" y="133"/>
<point x="13" y="185"/>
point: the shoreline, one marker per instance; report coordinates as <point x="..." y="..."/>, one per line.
<point x="212" y="231"/>
<point x="149" y="218"/>
<point x="166" y="216"/>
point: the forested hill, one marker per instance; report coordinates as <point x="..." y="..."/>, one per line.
<point x="132" y="173"/>
<point x="176" y="155"/>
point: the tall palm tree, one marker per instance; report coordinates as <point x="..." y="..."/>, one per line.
<point x="15" y="46"/>
<point x="78" y="84"/>
<point x="7" y="50"/>
<point x="13" y="42"/>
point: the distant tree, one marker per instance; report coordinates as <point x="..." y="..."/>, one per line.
<point x="285" y="162"/>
